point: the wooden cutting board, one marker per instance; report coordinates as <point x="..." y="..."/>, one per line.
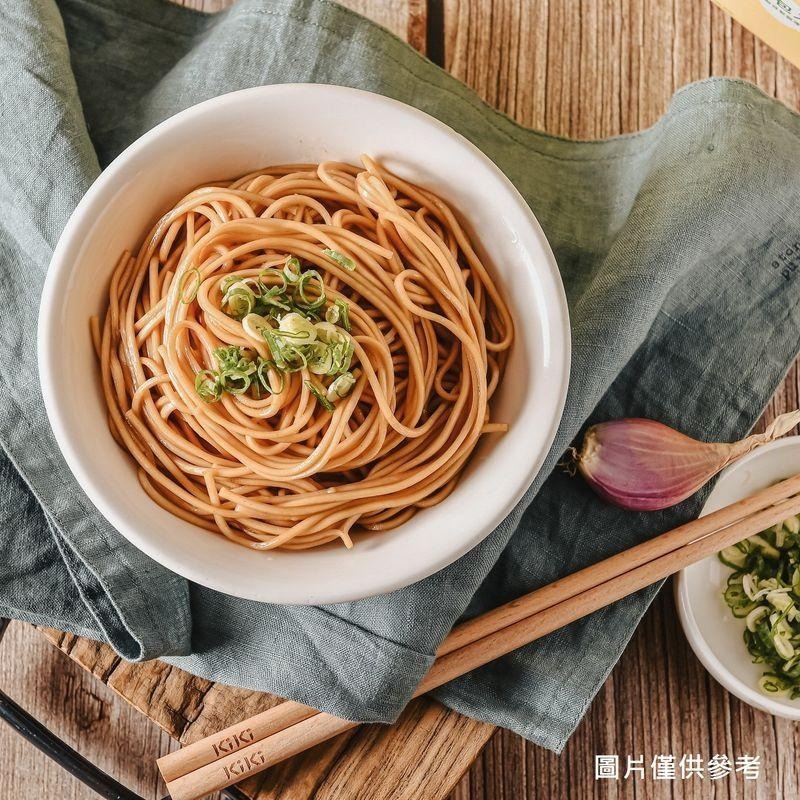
<point x="583" y="69"/>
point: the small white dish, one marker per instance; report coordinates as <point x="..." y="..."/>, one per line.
<point x="229" y="136"/>
<point x="713" y="632"/>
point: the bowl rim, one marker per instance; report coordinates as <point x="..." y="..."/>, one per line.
<point x="691" y="628"/>
<point x="557" y="329"/>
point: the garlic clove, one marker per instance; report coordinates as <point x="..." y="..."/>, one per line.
<point x="644" y="465"/>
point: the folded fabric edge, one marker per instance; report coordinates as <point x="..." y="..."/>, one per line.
<point x="141" y="647"/>
<point x="394" y="672"/>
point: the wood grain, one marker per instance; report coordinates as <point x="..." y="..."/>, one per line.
<point x="573" y="67"/>
<point x="604" y="69"/>
<point x="594" y="69"/>
<point x="79" y="708"/>
<point x="444" y="744"/>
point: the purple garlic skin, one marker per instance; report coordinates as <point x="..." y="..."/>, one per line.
<point x="644" y="465"/>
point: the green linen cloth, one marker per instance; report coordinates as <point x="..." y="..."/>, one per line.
<point x="678" y="247"/>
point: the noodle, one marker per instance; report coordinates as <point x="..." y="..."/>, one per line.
<point x="307" y="352"/>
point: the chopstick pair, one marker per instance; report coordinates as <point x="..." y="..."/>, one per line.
<point x="250" y="746"/>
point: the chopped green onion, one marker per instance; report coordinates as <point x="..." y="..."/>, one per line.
<point x="283" y="307"/>
<point x="227" y="282"/>
<point x="240" y="302"/>
<point x="332" y="314"/>
<point x="341" y="259"/>
<point x="764" y="590"/>
<point x="320" y="361"/>
<point x="342" y="352"/>
<point x="296" y="326"/>
<point x="287" y="356"/>
<point x="310" y="302"/>
<point x="235" y="381"/>
<point x="327" y="332"/>
<point x="207" y="385"/>
<point x="254" y="326"/>
<point x="321" y="399"/>
<point x="341" y="386"/>
<point x="272" y="302"/>
<point x="296" y="359"/>
<point x="275" y="347"/>
<point x="266" y="288"/>
<point x="344" y="313"/>
<point x="264" y="366"/>
<point x="234" y="375"/>
<point x="227" y="357"/>
<point x="291" y="270"/>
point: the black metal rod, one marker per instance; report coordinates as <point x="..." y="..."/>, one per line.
<point x="39" y="736"/>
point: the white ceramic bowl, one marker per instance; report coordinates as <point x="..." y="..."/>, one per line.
<point x="230" y="136"/>
<point x="713" y="632"/>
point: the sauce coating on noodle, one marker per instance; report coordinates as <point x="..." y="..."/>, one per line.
<point x="304" y="353"/>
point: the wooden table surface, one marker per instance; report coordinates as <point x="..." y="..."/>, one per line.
<point x="583" y="69"/>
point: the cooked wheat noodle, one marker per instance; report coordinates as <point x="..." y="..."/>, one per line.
<point x="430" y="335"/>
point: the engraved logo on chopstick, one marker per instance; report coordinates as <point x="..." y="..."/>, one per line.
<point x="232" y="743"/>
<point x="242" y="766"/>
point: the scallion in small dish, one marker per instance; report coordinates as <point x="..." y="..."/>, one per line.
<point x="763" y="589"/>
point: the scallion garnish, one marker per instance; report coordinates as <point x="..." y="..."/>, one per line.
<point x="320" y="360"/>
<point x="341" y="387"/>
<point x="235" y="381"/>
<point x="240" y="301"/>
<point x="283" y="307"/>
<point x="207" y="385"/>
<point x="764" y="590"/>
<point x="321" y="398"/>
<point x="344" y="313"/>
<point x="341" y="259"/>
<point x="228" y="357"/>
<point x="296" y="326"/>
<point x="262" y="370"/>
<point x="227" y="282"/>
<point x="332" y="314"/>
<point x="272" y="289"/>
<point x="237" y="372"/>
<point x="304" y="284"/>
<point x="291" y="270"/>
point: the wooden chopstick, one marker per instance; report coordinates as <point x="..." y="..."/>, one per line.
<point x="539" y="599"/>
<point x="253" y="745"/>
<point x="243" y="733"/>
